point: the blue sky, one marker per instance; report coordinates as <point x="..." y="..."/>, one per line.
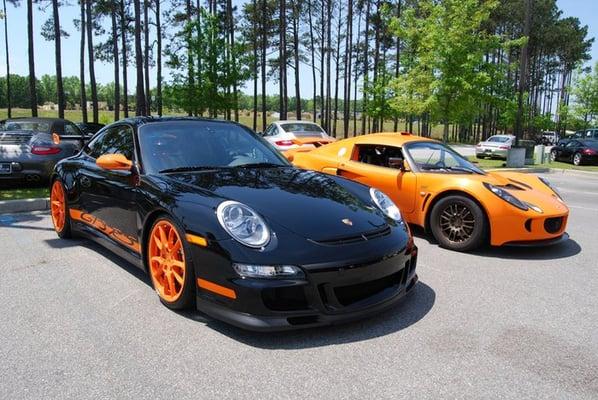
<point x="585" y="10"/>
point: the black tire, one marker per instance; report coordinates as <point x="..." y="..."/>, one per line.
<point x="552" y="156"/>
<point x="481" y="157"/>
<point x="65" y="232"/>
<point x="577" y="159"/>
<point x="458" y="223"/>
<point x="187" y="297"/>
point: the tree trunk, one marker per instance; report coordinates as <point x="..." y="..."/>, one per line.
<point x="123" y="35"/>
<point x="116" y="63"/>
<point x="322" y="56"/>
<point x="263" y="63"/>
<point x="282" y="61"/>
<point x="366" y="44"/>
<point x="146" y="58"/>
<point x="90" y="52"/>
<point x="347" y="78"/>
<point x="328" y="57"/>
<point x="313" y="61"/>
<point x="58" y="58"/>
<point x="296" y="15"/>
<point x="32" y="80"/>
<point x="231" y="31"/>
<point x="140" y="95"/>
<point x="398" y="65"/>
<point x="376" y="61"/>
<point x="190" y="68"/>
<point x="82" y="63"/>
<point x="337" y="68"/>
<point x="159" y="59"/>
<point x="522" y="73"/>
<point x="7" y="62"/>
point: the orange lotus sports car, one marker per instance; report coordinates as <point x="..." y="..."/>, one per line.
<point x="438" y="189"/>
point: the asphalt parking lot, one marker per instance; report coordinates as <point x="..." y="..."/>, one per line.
<point x="78" y="323"/>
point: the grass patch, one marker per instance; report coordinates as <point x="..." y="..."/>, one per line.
<point x="24" y="193"/>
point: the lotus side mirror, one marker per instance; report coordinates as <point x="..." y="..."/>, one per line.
<point x="396" y="162"/>
<point x="114" y="162"/>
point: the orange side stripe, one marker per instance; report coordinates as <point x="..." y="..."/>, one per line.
<point x="213" y="287"/>
<point x="195" y="239"/>
<point x="100" y="225"/>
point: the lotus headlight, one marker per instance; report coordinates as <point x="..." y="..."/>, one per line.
<point x="243" y="224"/>
<point x="384" y="203"/>
<point x="506" y="196"/>
<point x="547" y="183"/>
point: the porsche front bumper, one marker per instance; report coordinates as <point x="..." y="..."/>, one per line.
<point x="327" y="294"/>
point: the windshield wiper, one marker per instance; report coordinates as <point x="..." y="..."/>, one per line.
<point x="190" y="168"/>
<point x="260" y="165"/>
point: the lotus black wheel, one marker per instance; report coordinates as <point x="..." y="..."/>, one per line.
<point x="458" y="223"/>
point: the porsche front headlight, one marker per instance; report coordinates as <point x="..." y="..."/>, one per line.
<point x="243" y="224"/>
<point x="384" y="203"/>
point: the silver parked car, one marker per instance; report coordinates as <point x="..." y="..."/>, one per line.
<point x="496" y="146"/>
<point x="286" y="135"/>
<point x="30" y="147"/>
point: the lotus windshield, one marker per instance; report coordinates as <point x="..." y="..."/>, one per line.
<point x="436" y="157"/>
<point x="196" y="145"/>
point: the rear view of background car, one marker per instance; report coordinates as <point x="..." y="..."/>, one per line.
<point x="286" y="135"/>
<point x="495" y="146"/>
<point x="30" y="147"/>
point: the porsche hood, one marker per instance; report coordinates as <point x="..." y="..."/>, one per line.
<point x="310" y="204"/>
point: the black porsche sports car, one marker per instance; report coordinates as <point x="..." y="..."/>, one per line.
<point x="220" y="219"/>
<point x="576" y="151"/>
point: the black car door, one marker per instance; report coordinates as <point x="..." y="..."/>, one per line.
<point x="569" y="150"/>
<point x="107" y="197"/>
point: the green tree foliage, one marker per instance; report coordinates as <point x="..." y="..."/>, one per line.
<point x="585" y="90"/>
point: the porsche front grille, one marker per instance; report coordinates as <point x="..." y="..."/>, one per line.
<point x="340" y="241"/>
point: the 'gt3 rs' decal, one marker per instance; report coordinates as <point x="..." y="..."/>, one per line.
<point x="100" y="225"/>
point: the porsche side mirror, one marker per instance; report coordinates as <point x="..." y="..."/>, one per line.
<point x="396" y="162"/>
<point x="114" y="162"/>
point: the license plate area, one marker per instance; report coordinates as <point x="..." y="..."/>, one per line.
<point x="5" y="168"/>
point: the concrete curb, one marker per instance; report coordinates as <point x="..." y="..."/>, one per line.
<point x="25" y="205"/>
<point x="546" y="170"/>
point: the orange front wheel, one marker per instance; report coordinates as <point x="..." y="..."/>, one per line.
<point x="171" y="274"/>
<point x="59" y="210"/>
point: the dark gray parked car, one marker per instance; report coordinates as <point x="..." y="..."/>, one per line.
<point x="30" y="147"/>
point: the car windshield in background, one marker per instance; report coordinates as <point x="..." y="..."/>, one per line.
<point x="35" y="126"/>
<point x="499" y="139"/>
<point x="196" y="145"/>
<point x="301" y="127"/>
<point x="432" y="156"/>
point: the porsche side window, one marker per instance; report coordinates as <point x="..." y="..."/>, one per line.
<point x="94" y="148"/>
<point x="117" y="140"/>
<point x="376" y="154"/>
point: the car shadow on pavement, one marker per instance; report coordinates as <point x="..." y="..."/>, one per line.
<point x="20" y="221"/>
<point x="415" y="306"/>
<point x="118" y="261"/>
<point x="561" y="250"/>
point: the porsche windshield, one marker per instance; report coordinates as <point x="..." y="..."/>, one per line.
<point x="436" y="157"/>
<point x="195" y="145"/>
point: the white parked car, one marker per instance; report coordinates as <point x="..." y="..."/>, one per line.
<point x="495" y="146"/>
<point x="286" y="135"/>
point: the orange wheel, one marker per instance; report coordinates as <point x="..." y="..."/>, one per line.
<point x="167" y="265"/>
<point x="58" y="206"/>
